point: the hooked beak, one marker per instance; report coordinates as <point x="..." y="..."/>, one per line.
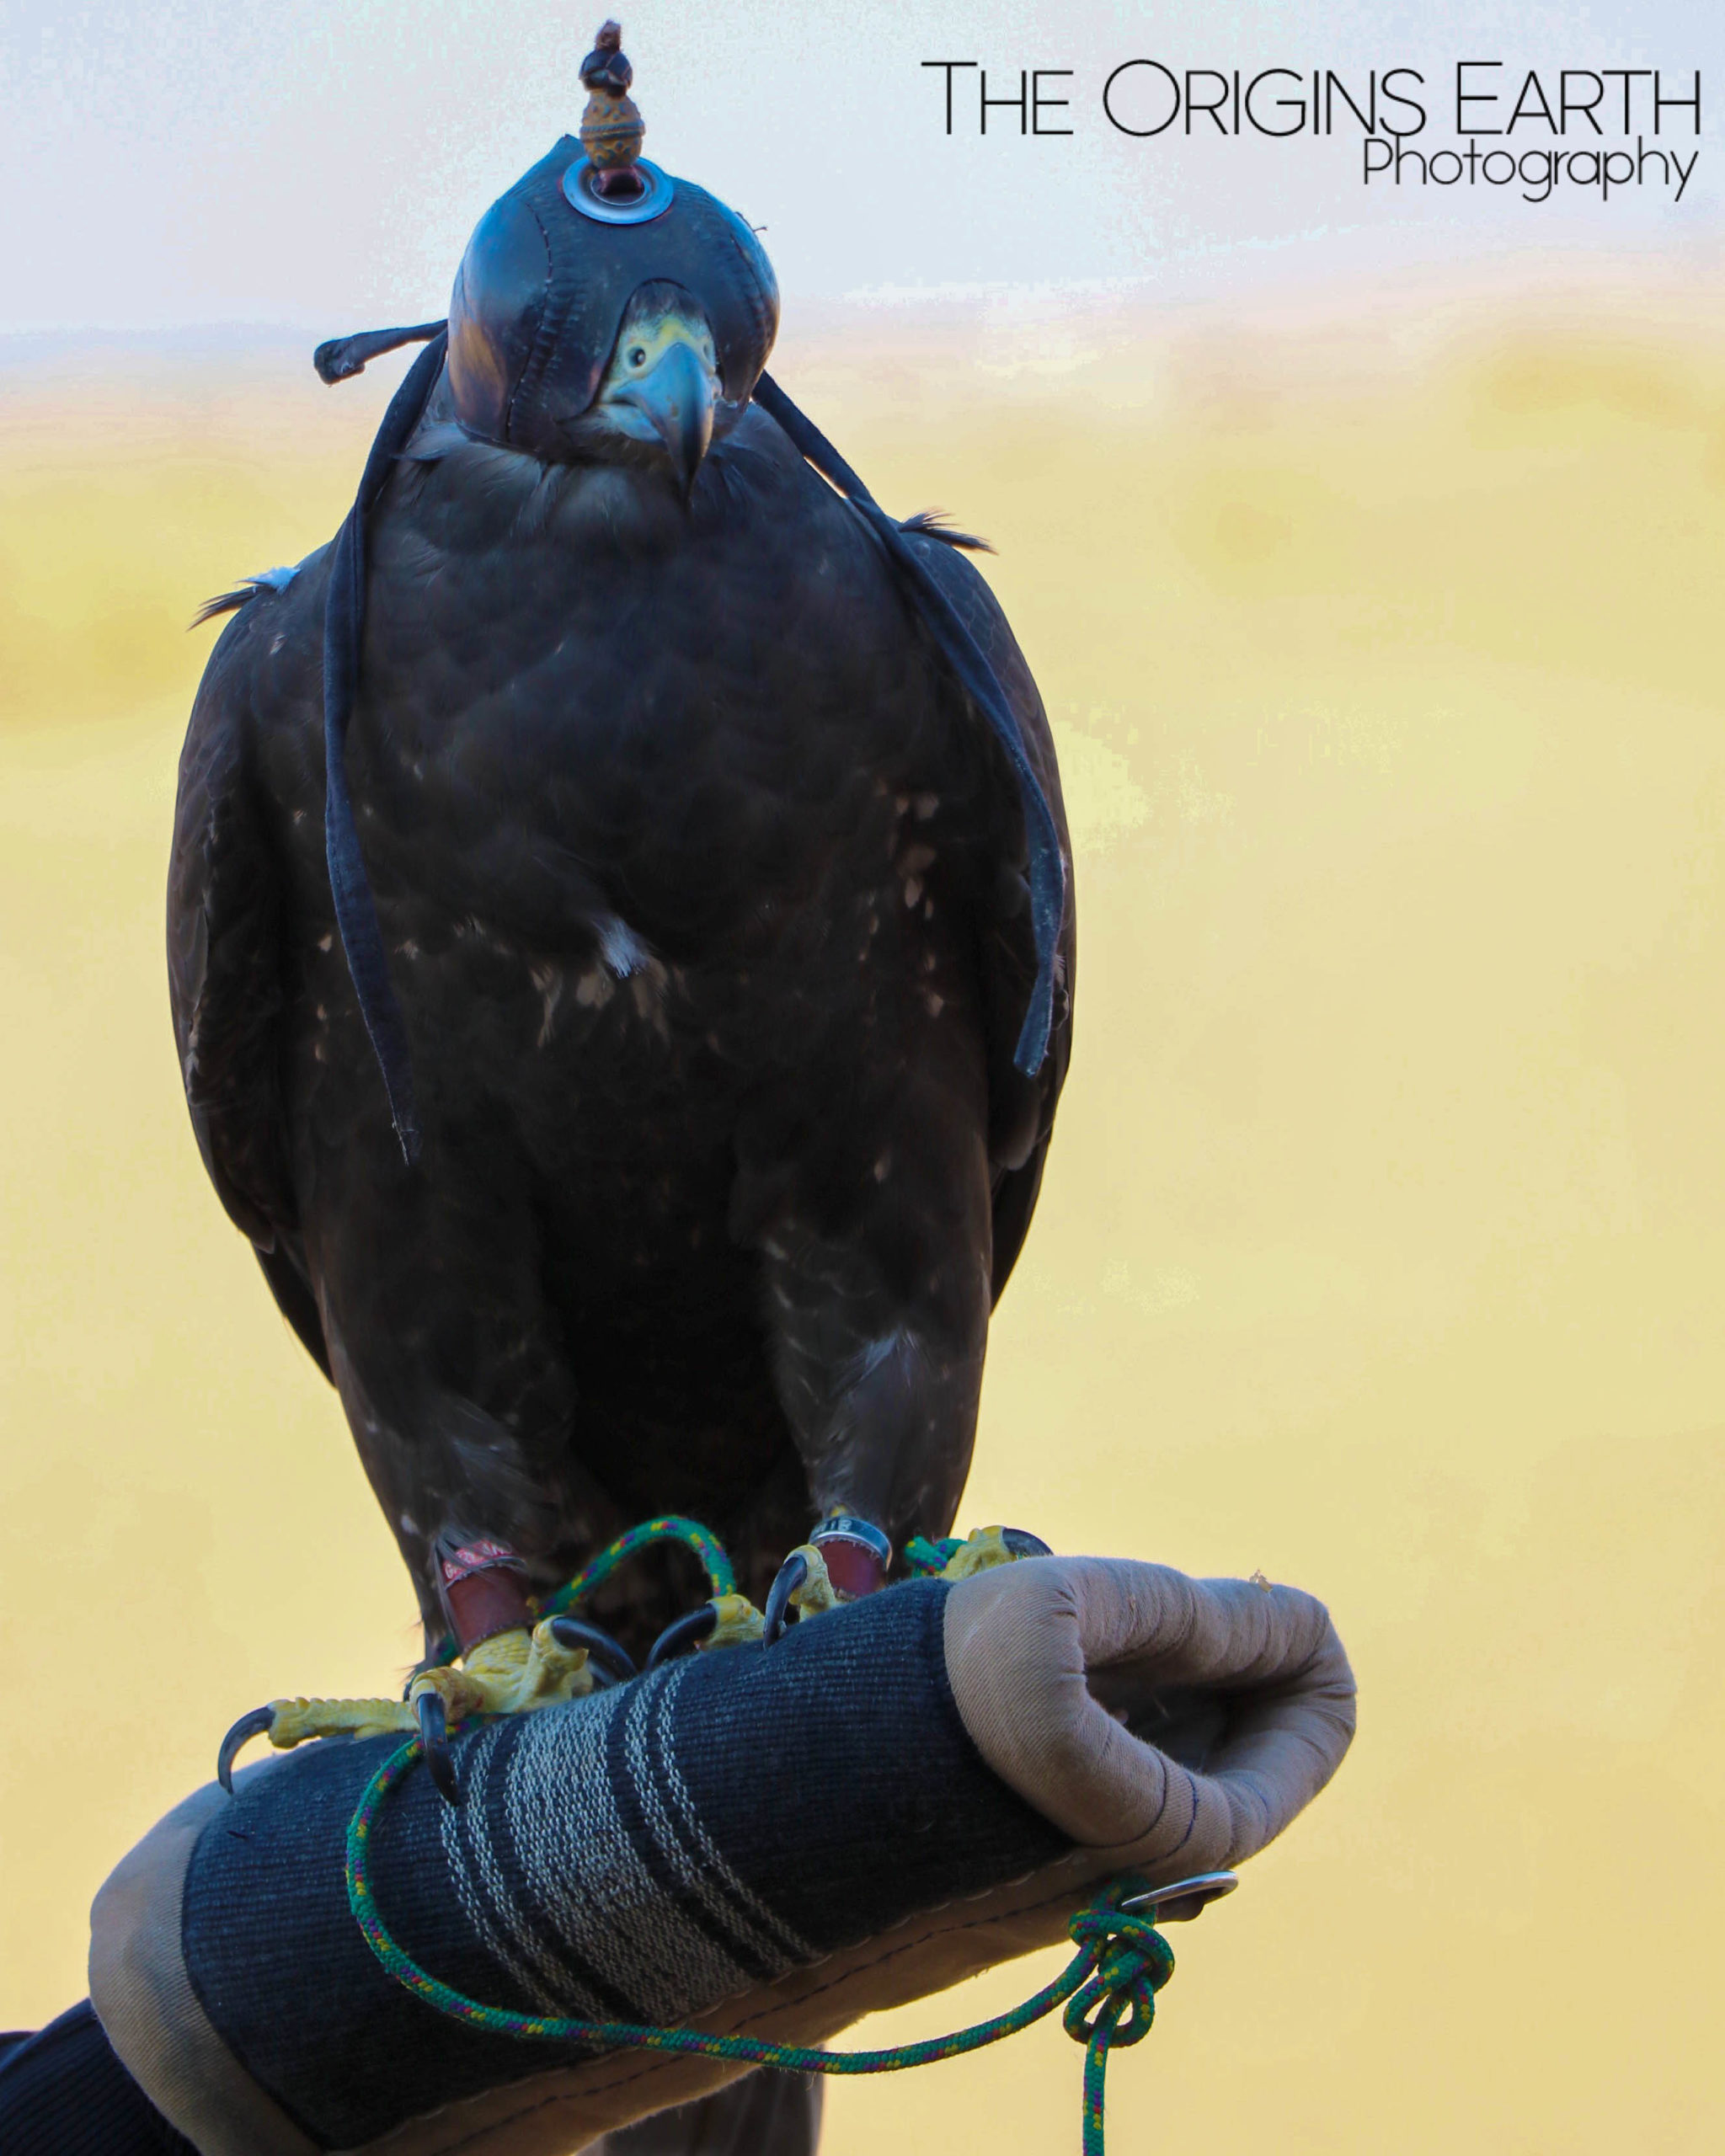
<point x="675" y="397"/>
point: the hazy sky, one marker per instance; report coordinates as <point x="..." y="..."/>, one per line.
<point x="320" y="163"/>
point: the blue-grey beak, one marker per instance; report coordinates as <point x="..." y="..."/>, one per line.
<point x="676" y="395"/>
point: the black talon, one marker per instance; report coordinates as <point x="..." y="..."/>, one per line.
<point x="791" y="1576"/>
<point x="434" y="1735"/>
<point x="243" y="1730"/>
<point x="1023" y="1544"/>
<point x="687" y="1630"/>
<point x="607" y="1652"/>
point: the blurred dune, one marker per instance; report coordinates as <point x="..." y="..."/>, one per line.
<point x="1384" y="1232"/>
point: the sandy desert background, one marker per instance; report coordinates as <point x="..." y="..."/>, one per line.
<point x="1384" y="1229"/>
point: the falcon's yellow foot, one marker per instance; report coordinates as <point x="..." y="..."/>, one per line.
<point x="736" y="1623"/>
<point x="803" y="1584"/>
<point x="728" y="1621"/>
<point x="844" y="1559"/>
<point x="512" y="1673"/>
<point x="986" y="1547"/>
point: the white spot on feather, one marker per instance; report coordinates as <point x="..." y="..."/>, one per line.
<point x="622" y="949"/>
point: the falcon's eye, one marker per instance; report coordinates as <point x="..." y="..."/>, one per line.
<point x="637" y="358"/>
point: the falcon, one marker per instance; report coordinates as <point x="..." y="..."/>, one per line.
<point x="621" y="953"/>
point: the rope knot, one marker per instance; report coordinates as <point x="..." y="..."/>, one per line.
<point x="1130" y="1962"/>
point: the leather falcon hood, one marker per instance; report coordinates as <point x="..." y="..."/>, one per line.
<point x="541" y="289"/>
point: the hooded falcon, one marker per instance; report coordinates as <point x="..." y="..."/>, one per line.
<point x="620" y="950"/>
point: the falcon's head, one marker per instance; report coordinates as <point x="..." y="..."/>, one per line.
<point x="591" y="328"/>
<point x="660" y="392"/>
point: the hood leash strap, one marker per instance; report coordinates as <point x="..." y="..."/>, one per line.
<point x="1048" y="870"/>
<point x="341" y="358"/>
<point x="344" y="626"/>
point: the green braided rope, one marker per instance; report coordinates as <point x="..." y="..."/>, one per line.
<point x="1108" y="1987"/>
<point x="668" y="1527"/>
